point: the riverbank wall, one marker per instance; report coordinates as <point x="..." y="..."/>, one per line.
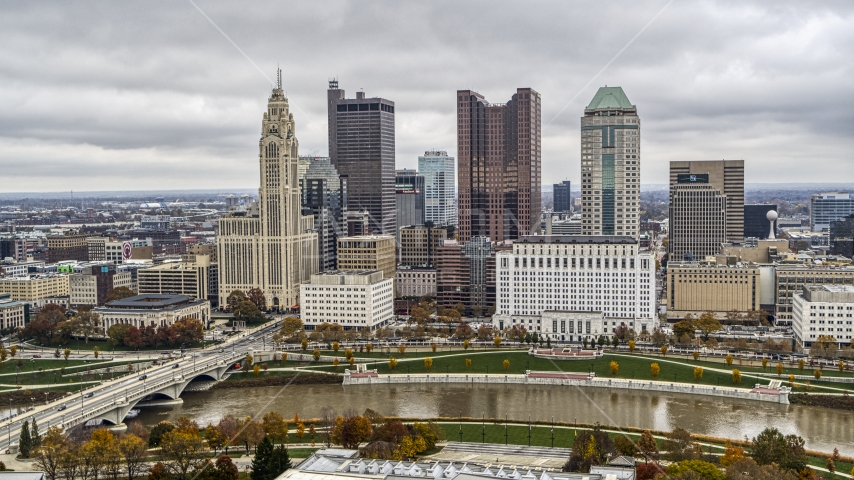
<point x="759" y="393"/>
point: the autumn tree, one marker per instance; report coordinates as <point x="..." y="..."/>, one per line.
<point x="654" y="369"/>
<point x="506" y="364"/>
<point x="468" y="363"/>
<point x="698" y="373"/>
<point x="48" y="455"/>
<point x="392" y="363"/>
<point x="133" y="451"/>
<point x="351" y="431"/>
<point x="648" y="446"/>
<point x="118" y="293"/>
<point x="731" y="455"/>
<point x="428" y="363"/>
<point x="615" y="367"/>
<point x="736" y="376"/>
<point x="256" y="296"/>
<point x="591" y="447"/>
<point x="680" y="445"/>
<point x="234" y="298"/>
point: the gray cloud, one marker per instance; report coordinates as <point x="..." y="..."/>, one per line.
<point x="150" y="95"/>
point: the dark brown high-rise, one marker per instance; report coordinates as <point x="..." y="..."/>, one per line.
<point x="499" y="157"/>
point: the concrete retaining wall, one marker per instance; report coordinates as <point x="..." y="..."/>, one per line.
<point x="805" y="378"/>
<point x="707" y="390"/>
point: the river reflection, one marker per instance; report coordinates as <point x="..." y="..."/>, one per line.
<point x="823" y="429"/>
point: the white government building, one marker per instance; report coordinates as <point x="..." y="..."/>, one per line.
<point x="823" y="310"/>
<point x="571" y="287"/>
<point x="353" y="299"/>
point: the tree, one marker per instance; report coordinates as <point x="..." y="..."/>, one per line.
<point x="468" y="363"/>
<point x="215" y="438"/>
<point x="506" y="364"/>
<point x="736" y="376"/>
<point x="705" y="470"/>
<point x="707" y="325"/>
<point x="631" y="346"/>
<point x="731" y="455"/>
<point x="234" y="298"/>
<point x="392" y="363"/>
<point x="497" y="342"/>
<point x="35" y="438"/>
<point x="184" y="450"/>
<point x="601" y="340"/>
<point x="624" y="445"/>
<point x="291" y="326"/>
<point x="615" y="367"/>
<point x="315" y="354"/>
<point x="275" y="426"/>
<point x="269" y="461"/>
<point x="304" y="344"/>
<point x="817" y="374"/>
<point x="87" y="324"/>
<point x="157" y="433"/>
<point x="654" y="369"/>
<point x="48" y="455"/>
<point x="25" y="443"/>
<point x="401" y="349"/>
<point x="664" y="350"/>
<point x="649" y="471"/>
<point x="779" y="369"/>
<point x="680" y="445"/>
<point x="648" y="446"/>
<point x="351" y="431"/>
<point x="464" y="331"/>
<point x="246" y="311"/>
<point x="684" y="327"/>
<point x="133" y="451"/>
<point x="428" y="363"/>
<point x="729" y="360"/>
<point x="118" y="293"/>
<point x="418" y="315"/>
<point x="771" y="446"/>
<point x="460" y="308"/>
<point x="335" y="347"/>
<point x="698" y="373"/>
<point x="591" y="447"/>
<point x="256" y="296"/>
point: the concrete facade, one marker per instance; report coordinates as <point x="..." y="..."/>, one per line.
<point x="153" y="310"/>
<point x="694" y="289"/>
<point x="577" y="274"/>
<point x="12" y="313"/>
<point x="610" y="165"/>
<point x="415" y="281"/>
<point x="195" y="277"/>
<point x="352" y="299"/>
<point x="270" y="245"/>
<point x="367" y="252"/>
<point x="823" y="310"/>
<point x="91" y="287"/>
<point x="37" y="290"/>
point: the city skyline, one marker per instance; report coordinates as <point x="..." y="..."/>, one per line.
<point x="66" y="115"/>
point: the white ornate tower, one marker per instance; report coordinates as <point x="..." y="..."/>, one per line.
<point x="271" y="247"/>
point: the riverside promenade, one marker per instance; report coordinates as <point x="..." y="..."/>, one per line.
<point x="773" y="393"/>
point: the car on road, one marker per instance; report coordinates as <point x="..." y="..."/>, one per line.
<point x="88" y="395"/>
<point x="176" y="365"/>
<point x="61" y="408"/>
<point x="37" y="356"/>
<point x="143" y="377"/>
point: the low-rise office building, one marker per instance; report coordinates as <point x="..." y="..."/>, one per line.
<point x="419" y="244"/>
<point x="153" y="310"/>
<point x="603" y="275"/>
<point x="415" y="281"/>
<point x="790" y="280"/>
<point x="94" y="283"/>
<point x="694" y="288"/>
<point x="13" y="314"/>
<point x="194" y="276"/>
<point x="352" y="299"/>
<point x="823" y="311"/>
<point x="37" y="290"/>
<point x="367" y="252"/>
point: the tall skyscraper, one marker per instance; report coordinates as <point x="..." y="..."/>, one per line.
<point x="610" y="165"/>
<point x="440" y="203"/>
<point x="829" y="207"/>
<point x="323" y="196"/>
<point x="560" y="193"/>
<point x="361" y="146"/>
<point x="706" y="207"/>
<point x="409" y="199"/>
<point x="499" y="165"/>
<point x="270" y="245"/>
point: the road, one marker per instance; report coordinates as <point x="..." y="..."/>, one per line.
<point x="88" y="404"/>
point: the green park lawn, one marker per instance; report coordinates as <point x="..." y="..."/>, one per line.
<point x="630" y="367"/>
<point x="411" y="352"/>
<point x="47" y="371"/>
<point x="752" y="366"/>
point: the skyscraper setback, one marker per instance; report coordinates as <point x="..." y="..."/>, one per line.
<point x="610" y="165"/>
<point x="361" y="147"/>
<point x="499" y="156"/>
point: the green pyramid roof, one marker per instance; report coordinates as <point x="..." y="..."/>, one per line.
<point x="610" y="97"/>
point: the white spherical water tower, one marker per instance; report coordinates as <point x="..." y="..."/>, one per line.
<point x="772" y="217"/>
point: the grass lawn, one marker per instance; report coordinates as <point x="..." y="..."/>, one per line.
<point x="756" y="366"/>
<point x="632" y="367"/>
<point x="106" y="347"/>
<point x="516" y="434"/>
<point x="30" y="373"/>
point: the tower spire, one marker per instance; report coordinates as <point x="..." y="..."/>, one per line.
<point x="278" y="78"/>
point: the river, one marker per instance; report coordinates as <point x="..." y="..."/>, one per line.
<point x="822" y="429"/>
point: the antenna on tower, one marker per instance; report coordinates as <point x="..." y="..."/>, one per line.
<point x="278" y="77"/>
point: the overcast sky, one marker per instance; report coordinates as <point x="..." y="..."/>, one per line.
<point x="152" y="95"/>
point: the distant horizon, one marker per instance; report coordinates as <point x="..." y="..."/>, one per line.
<point x="547" y="187"/>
